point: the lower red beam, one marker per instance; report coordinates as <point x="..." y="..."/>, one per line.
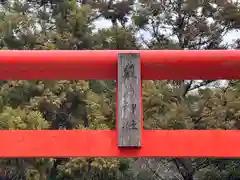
<point x="103" y="143"/>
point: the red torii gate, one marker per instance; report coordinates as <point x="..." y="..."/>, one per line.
<point x="89" y="65"/>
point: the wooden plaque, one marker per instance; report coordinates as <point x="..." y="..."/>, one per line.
<point x="129" y="100"/>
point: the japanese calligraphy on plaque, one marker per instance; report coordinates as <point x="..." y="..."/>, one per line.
<point x="129" y="100"/>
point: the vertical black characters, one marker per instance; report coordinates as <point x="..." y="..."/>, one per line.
<point x="128" y="72"/>
<point x="132" y="125"/>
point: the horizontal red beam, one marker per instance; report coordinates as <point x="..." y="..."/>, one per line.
<point x="103" y="143"/>
<point x="156" y="64"/>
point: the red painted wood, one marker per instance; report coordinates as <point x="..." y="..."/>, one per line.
<point x="222" y="64"/>
<point x="156" y="64"/>
<point x="103" y="143"/>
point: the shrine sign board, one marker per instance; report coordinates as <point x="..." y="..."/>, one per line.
<point x="129" y="100"/>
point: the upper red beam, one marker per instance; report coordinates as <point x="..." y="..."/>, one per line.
<point x="102" y="65"/>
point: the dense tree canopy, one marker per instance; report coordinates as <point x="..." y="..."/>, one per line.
<point x="78" y="104"/>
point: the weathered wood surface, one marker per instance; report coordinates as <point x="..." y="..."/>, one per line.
<point x="129" y="100"/>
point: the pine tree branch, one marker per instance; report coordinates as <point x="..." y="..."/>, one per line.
<point x="152" y="170"/>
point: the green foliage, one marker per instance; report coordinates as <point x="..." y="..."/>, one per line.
<point x="21" y="119"/>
